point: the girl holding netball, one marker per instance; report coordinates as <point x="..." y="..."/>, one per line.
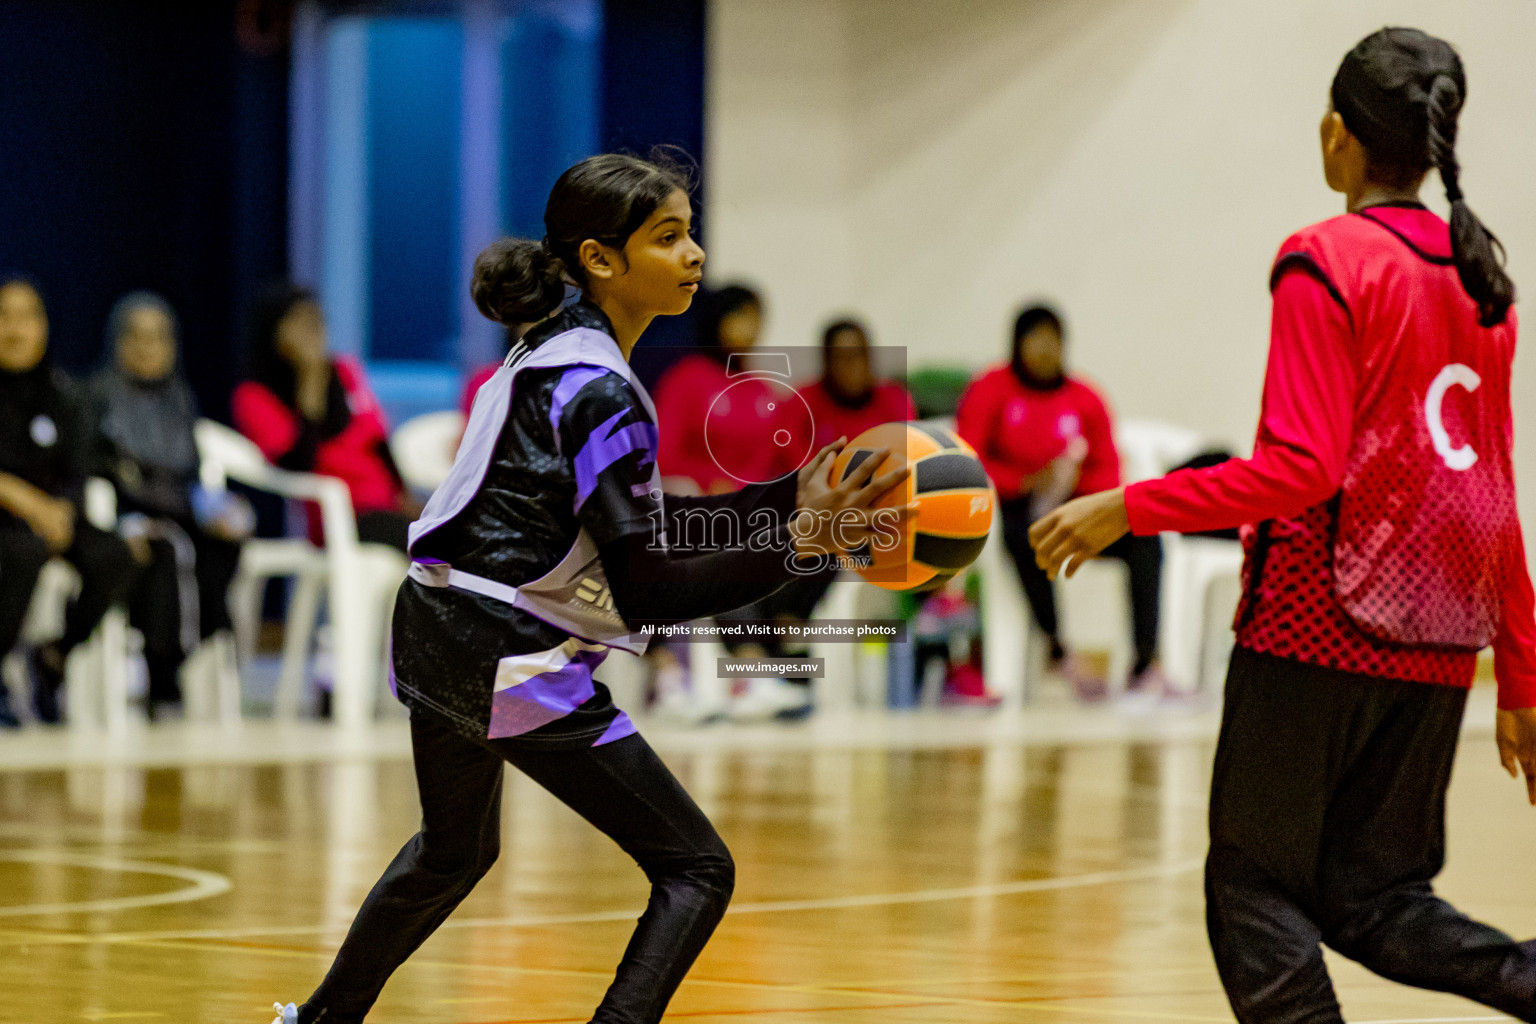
<point x="1387" y="552"/>
<point x="537" y="555"/>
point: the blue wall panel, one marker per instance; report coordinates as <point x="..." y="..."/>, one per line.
<point x="413" y="157"/>
<point x="551" y="79"/>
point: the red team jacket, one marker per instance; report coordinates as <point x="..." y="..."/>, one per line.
<point x="740" y="424"/>
<point x="1387" y="541"/>
<point x="353" y="455"/>
<point x="886" y="403"/>
<point x="1018" y="430"/>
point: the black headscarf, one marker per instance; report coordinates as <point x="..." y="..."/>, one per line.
<point x="150" y="420"/>
<point x="828" y="335"/>
<point x="1028" y="320"/>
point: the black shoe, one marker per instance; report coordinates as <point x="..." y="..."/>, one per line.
<point x="46" y="681"/>
<point x="798" y="714"/>
<point x="8" y="719"/>
<point x="163" y="710"/>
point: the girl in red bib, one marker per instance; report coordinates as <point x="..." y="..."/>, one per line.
<point x="1383" y="552"/>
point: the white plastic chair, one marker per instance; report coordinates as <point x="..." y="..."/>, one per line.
<point x="359" y="578"/>
<point x="1094" y="614"/>
<point x="1008" y="651"/>
<point x="424" y="447"/>
<point x="850" y="678"/>
<point x="1191" y="565"/>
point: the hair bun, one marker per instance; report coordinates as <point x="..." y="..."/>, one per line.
<point x="517" y="281"/>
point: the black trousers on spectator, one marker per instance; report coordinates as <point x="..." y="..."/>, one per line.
<point x="1327" y="826"/>
<point x="1143" y="556"/>
<point x="622" y="788"/>
<point x="106" y="572"/>
<point x="179" y="598"/>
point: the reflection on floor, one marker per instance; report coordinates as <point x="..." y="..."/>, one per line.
<point x="925" y="868"/>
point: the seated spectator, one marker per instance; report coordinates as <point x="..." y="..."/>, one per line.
<point x="844" y="401"/>
<point x="847" y="399"/>
<point x="186" y="540"/>
<point x="44" y="450"/>
<point x="731" y="320"/>
<point x="1044" y="437"/>
<point x="314" y="414"/>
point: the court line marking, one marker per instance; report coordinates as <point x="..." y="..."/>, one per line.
<point x="1025" y="979"/>
<point x="727" y="1013"/>
<point x="977" y="891"/>
<point x="1038" y="1005"/>
<point x="1032" y="885"/>
<point x="186" y="940"/>
<point x="205" y="884"/>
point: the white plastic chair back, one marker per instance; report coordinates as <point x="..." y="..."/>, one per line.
<point x="424" y="446"/>
<point x="223" y="451"/>
<point x="1149" y="448"/>
<point x="361" y="579"/>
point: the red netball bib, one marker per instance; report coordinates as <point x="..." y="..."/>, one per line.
<point x="1425" y="519"/>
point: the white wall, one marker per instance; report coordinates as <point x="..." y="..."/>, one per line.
<point x="777" y="116"/>
<point x="932" y="163"/>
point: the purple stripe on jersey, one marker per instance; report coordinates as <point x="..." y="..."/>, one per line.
<point x="572" y="381"/>
<point x="620" y="727"/>
<point x="389" y="664"/>
<point x="543" y="698"/>
<point x="608" y="445"/>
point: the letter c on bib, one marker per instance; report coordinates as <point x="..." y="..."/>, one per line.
<point x="1461" y="374"/>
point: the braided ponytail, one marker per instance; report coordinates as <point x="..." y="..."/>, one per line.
<point x="1400" y="92"/>
<point x="1479" y="255"/>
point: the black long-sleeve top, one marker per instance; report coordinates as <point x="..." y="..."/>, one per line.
<point x="43" y="439"/>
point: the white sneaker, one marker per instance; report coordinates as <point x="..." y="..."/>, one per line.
<point x="675" y="700"/>
<point x="1137" y="701"/>
<point x="286" y="1014"/>
<point x="1146" y="691"/>
<point x="765" y="697"/>
<point x="679" y="707"/>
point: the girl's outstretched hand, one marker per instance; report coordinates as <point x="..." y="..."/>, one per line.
<point x="1515" y="732"/>
<point x="1079" y="530"/>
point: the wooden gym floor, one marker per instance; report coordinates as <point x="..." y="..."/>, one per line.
<point x="890" y="880"/>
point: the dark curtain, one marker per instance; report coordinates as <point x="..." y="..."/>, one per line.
<point x="144" y="145"/>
